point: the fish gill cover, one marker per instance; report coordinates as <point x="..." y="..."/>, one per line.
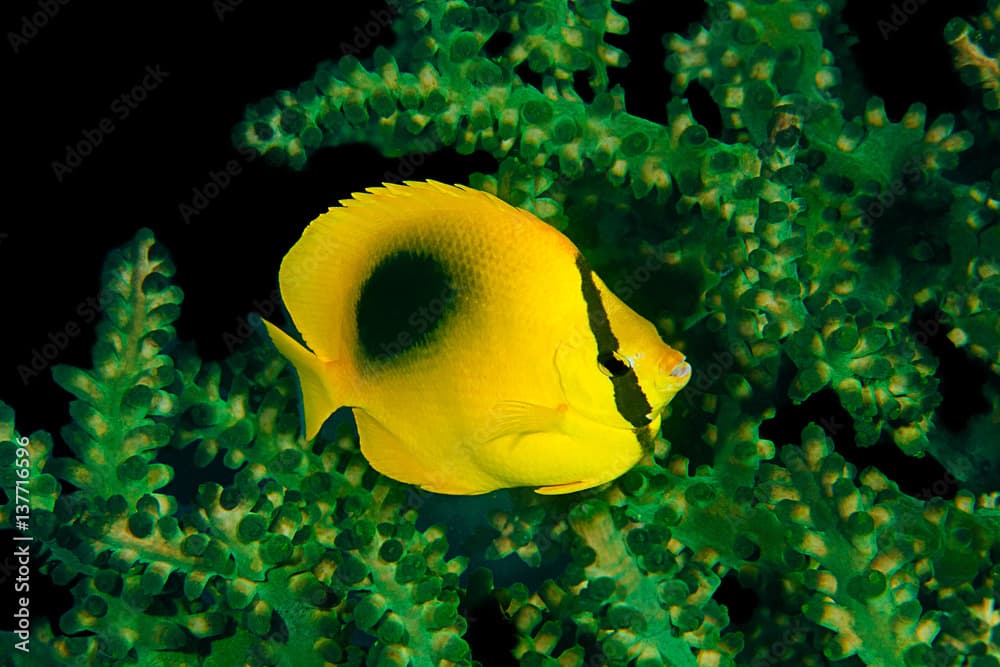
<point x="825" y="268"/>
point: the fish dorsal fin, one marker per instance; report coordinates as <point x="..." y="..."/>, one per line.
<point x="322" y="273"/>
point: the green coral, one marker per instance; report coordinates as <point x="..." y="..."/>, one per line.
<point x="285" y="565"/>
<point x="815" y="247"/>
<point x="977" y="52"/>
<point x="804" y="196"/>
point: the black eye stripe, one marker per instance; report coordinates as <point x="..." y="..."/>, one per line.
<point x="630" y="400"/>
<point x="613" y="364"/>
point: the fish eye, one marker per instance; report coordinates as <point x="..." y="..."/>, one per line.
<point x="613" y="364"/>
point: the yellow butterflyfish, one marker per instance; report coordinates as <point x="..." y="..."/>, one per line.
<point x="473" y="343"/>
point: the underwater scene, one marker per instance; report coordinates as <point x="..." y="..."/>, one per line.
<point x="563" y="333"/>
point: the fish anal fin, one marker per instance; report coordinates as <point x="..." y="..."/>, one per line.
<point x="385" y="451"/>
<point x="388" y="454"/>
<point x="455" y="489"/>
<point x="520" y="417"/>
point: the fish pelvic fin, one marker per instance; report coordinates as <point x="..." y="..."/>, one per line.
<point x="391" y="456"/>
<point x="570" y="487"/>
<point x="323" y="390"/>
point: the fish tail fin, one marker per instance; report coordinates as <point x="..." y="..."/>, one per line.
<point x="322" y="393"/>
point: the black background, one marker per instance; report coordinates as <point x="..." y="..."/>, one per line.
<point x="65" y="79"/>
<point x="68" y="77"/>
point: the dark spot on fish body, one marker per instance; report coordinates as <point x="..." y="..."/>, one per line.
<point x="403" y="305"/>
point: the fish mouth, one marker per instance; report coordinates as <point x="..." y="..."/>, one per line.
<point x="674" y="374"/>
<point x="681" y="370"/>
<point x="674" y="370"/>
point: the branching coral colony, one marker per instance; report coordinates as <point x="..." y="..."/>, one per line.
<point x="796" y="230"/>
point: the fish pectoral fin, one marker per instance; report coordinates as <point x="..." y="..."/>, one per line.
<point x="520" y="417"/>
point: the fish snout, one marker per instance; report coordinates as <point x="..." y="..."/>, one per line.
<point x="674" y="370"/>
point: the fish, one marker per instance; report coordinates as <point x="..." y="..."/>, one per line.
<point x="473" y="343"/>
